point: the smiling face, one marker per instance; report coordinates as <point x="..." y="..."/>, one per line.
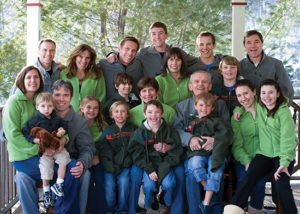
<point x="127" y="52"/>
<point x="254" y="47"/>
<point x="200" y="83"/>
<point x="203" y="108"/>
<point x="229" y="72"/>
<point x="174" y="64"/>
<point x="205" y="46"/>
<point x="245" y="96"/>
<point x="46" y="54"/>
<point x="90" y="110"/>
<point x="83" y="60"/>
<point x="119" y="114"/>
<point x="148" y="93"/>
<point x="62" y="99"/>
<point x="32" y="81"/>
<point x="45" y="108"/>
<point x="268" y="96"/>
<point x="158" y="36"/>
<point x="153" y="115"/>
<point x="124" y="89"/>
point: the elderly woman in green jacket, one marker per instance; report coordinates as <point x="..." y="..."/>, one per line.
<point x="85" y="76"/>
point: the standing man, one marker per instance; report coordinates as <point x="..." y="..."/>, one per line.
<point x="200" y="82"/>
<point x="257" y="66"/>
<point x="125" y="63"/>
<point x="207" y="61"/>
<point x="152" y="57"/>
<point x="81" y="145"/>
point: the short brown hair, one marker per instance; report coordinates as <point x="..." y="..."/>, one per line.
<point x="207" y="97"/>
<point x="159" y="25"/>
<point x="155" y="103"/>
<point x="251" y="33"/>
<point x="46" y="40"/>
<point x="132" y="39"/>
<point x="206" y="34"/>
<point x="123" y="78"/>
<point x="230" y="60"/>
<point x="21" y="77"/>
<point x="44" y="97"/>
<point x="67" y="85"/>
<point x="116" y="104"/>
<point x="147" y="82"/>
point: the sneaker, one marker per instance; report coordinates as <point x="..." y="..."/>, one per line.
<point x="58" y="189"/>
<point x="140" y="209"/>
<point x="47" y="199"/>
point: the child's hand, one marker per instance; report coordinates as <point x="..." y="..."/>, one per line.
<point x="96" y="160"/>
<point x="153" y="176"/>
<point x="165" y="148"/>
<point x="158" y="147"/>
<point x="280" y="170"/>
<point x="49" y="152"/>
<point x="36" y="140"/>
<point x="60" y="132"/>
<point x="236" y="116"/>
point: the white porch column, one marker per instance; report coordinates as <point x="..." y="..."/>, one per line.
<point x="33" y="29"/>
<point x="238" y="27"/>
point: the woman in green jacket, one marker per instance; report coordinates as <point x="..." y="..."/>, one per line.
<point x="85" y="76"/>
<point x="276" y="150"/>
<point x="173" y="81"/>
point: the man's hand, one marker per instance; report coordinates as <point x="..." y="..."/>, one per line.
<point x="195" y="143"/>
<point x="209" y="145"/>
<point x="60" y="66"/>
<point x="62" y="142"/>
<point x="111" y="59"/>
<point x="153" y="176"/>
<point x="77" y="170"/>
<point x="280" y="170"/>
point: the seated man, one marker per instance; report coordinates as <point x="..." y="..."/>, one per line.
<point x="200" y="82"/>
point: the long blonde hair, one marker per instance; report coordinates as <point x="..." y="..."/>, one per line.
<point x="99" y="120"/>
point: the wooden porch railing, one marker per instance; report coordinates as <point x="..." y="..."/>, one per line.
<point x="8" y="192"/>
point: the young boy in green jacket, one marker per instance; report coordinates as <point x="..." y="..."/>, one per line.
<point x="207" y="166"/>
<point x="115" y="159"/>
<point x="156" y="148"/>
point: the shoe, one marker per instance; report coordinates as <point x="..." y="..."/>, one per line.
<point x="58" y="189"/>
<point x="205" y="209"/>
<point x="155" y="204"/>
<point x="47" y="199"/>
<point x="233" y="209"/>
<point x="165" y="210"/>
<point x="140" y="209"/>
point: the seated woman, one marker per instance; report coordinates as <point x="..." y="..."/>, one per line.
<point x="85" y="76"/>
<point x="173" y="81"/>
<point x="276" y="151"/>
<point x="246" y="141"/>
<point x="23" y="154"/>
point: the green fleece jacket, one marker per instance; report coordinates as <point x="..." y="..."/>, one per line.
<point x="89" y="86"/>
<point x="245" y="137"/>
<point x="96" y="134"/>
<point x="141" y="147"/>
<point x="17" y="111"/>
<point x="171" y="92"/>
<point x="211" y="126"/>
<point x="277" y="134"/>
<point x="137" y="114"/>
<point x="113" y="148"/>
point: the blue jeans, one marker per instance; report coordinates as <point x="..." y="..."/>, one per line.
<point x="150" y="187"/>
<point x="136" y="175"/>
<point x="193" y="194"/>
<point x="178" y="205"/>
<point x="258" y="193"/>
<point x="26" y="178"/>
<point x="198" y="165"/>
<point x="96" y="201"/>
<point x="84" y="190"/>
<point x="122" y="181"/>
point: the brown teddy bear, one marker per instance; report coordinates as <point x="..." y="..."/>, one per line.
<point x="47" y="140"/>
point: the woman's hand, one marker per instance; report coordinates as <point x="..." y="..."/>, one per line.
<point x="153" y="176"/>
<point x="36" y="140"/>
<point x="280" y="170"/>
<point x="236" y="116"/>
<point x="111" y="58"/>
<point x="247" y="166"/>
